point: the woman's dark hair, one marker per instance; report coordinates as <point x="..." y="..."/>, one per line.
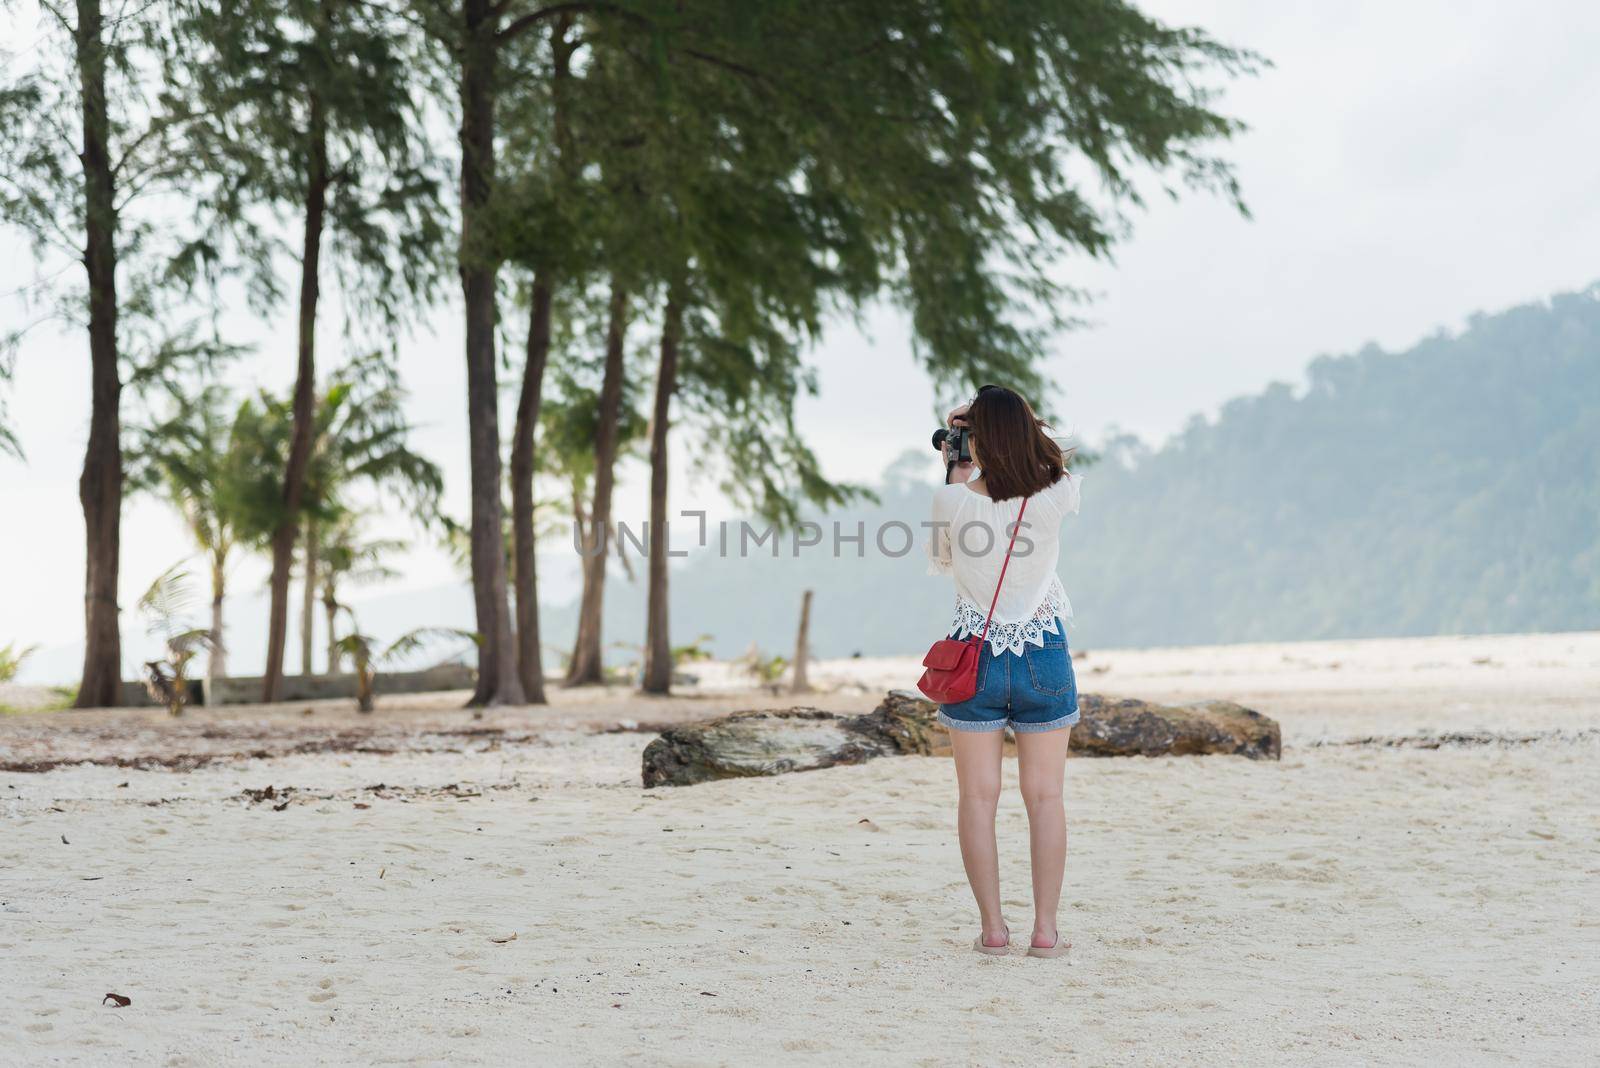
<point x="1017" y="457"/>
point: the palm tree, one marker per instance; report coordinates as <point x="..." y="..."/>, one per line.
<point x="360" y="436"/>
<point x="570" y="430"/>
<point x="166" y="603"/>
<point x="363" y="651"/>
<point x="194" y="460"/>
<point x="360" y="433"/>
<point x="348" y="557"/>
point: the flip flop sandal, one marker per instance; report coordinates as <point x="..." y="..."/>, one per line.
<point x="1057" y="950"/>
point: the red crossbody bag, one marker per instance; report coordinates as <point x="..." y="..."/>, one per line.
<point x="951" y="674"/>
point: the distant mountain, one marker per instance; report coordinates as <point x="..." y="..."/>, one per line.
<point x="1450" y="488"/>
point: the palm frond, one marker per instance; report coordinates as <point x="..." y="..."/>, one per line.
<point x="414" y="641"/>
<point x="167" y="601"/>
<point x="12" y="657"/>
<point x="190" y="642"/>
<point x="357" y="647"/>
<point x="369" y="576"/>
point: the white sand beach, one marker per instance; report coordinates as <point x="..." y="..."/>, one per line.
<point x="510" y="895"/>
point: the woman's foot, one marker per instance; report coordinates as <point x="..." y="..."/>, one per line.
<point x="1048" y="945"/>
<point x="994" y="943"/>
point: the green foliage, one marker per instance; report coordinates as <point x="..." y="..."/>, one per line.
<point x="693" y="652"/>
<point x="194" y="458"/>
<point x="766" y="670"/>
<point x="160" y="339"/>
<point x="627" y="674"/>
<point x="364" y="653"/>
<point x="365" y="650"/>
<point x="416" y="641"/>
<point x="166" y="602"/>
<point x="360" y="438"/>
<point x="770" y="163"/>
<point x="9" y="445"/>
<point x="761" y="165"/>
<point x="344" y="554"/>
<point x="569" y="419"/>
<point x="695" y="193"/>
<point x="61" y="699"/>
<point x="12" y="657"/>
<point x="1450" y="488"/>
<point x="268" y="82"/>
<point x="165" y="606"/>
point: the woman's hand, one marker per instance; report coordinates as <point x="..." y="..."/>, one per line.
<point x="956" y="472"/>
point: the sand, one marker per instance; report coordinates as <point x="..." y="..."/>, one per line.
<point x="1357" y="902"/>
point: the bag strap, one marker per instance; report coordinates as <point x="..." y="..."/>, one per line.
<point x="1007" y="563"/>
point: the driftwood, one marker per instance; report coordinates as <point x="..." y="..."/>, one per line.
<point x="1129" y="727"/>
<point x="776" y="741"/>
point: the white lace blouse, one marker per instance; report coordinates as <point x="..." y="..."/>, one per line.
<point x="968" y="539"/>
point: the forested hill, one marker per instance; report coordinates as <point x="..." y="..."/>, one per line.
<point x="1450" y="488"/>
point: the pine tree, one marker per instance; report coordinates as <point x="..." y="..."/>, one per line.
<point x="312" y="108"/>
<point x="88" y="137"/>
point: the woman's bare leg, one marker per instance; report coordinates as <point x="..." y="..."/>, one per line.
<point x="1041" y="765"/>
<point x="978" y="776"/>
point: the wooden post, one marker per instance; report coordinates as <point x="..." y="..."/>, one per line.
<point x="802" y="651"/>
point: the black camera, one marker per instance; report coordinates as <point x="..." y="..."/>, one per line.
<point x="958" y="438"/>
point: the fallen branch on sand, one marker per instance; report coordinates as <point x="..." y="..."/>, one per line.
<point x="776" y="741"/>
<point x="283" y="795"/>
<point x="264" y="744"/>
<point x="1458" y="739"/>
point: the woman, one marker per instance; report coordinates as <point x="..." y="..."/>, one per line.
<point x="1025" y="678"/>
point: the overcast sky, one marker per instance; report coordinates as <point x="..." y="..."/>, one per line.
<point x="1408" y="164"/>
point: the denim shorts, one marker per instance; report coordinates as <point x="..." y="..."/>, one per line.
<point x="1031" y="691"/>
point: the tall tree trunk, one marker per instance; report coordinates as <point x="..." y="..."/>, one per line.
<point x="585" y="667"/>
<point x="294" y="475"/>
<point x="658" y="642"/>
<point x="217" y="658"/>
<point x="330" y="611"/>
<point x="498" y="678"/>
<point x="530" y="652"/>
<point x="308" y="600"/>
<point x="529" y="658"/>
<point x="100" y="485"/>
